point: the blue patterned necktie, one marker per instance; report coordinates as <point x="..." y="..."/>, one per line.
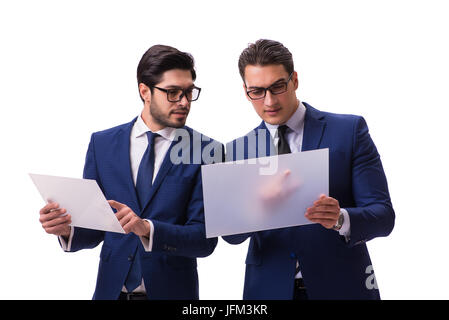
<point x="145" y="173"/>
<point x="143" y="186"/>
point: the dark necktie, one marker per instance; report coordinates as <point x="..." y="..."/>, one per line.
<point x="146" y="170"/>
<point x="143" y="186"/>
<point x="134" y="278"/>
<point x="283" y="146"/>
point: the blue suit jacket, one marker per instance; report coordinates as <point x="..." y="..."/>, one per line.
<point x="175" y="208"/>
<point x="331" y="267"/>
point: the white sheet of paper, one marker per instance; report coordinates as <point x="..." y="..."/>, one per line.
<point x="82" y="198"/>
<point x="237" y="195"/>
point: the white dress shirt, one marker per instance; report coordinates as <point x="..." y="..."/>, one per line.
<point x="294" y="135"/>
<point x="138" y="145"/>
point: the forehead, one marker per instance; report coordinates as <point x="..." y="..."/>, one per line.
<point x="264" y="76"/>
<point x="176" y="77"/>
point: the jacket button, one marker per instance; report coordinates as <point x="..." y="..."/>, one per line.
<point x="130" y="258"/>
<point x="293" y="255"/>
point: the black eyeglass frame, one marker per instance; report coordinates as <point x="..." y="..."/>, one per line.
<point x="184" y="93"/>
<point x="269" y="89"/>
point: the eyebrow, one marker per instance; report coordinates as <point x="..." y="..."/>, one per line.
<point x="178" y="87"/>
<point x="279" y="80"/>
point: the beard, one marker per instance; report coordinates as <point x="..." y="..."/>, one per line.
<point x="164" y="119"/>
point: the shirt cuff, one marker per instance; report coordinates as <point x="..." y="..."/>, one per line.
<point x="66" y="245"/>
<point x="345" y="229"/>
<point x="147" y="242"/>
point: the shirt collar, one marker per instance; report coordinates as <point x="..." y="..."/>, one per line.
<point x="141" y="128"/>
<point x="295" y="122"/>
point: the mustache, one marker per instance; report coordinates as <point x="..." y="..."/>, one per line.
<point x="180" y="110"/>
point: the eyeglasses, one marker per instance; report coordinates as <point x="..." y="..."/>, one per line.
<point x="276" y="88"/>
<point x="176" y="95"/>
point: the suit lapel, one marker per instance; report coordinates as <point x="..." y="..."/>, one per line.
<point x="124" y="163"/>
<point x="314" y="126"/>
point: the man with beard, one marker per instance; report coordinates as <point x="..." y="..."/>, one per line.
<point x="158" y="201"/>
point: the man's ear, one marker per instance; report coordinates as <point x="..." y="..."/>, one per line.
<point x="145" y="92"/>
<point x="295" y="79"/>
<point x="244" y="90"/>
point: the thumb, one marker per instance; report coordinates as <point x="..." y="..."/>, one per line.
<point x="116" y="205"/>
<point x="322" y="197"/>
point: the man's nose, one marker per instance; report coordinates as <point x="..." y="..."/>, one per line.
<point x="184" y="102"/>
<point x="270" y="99"/>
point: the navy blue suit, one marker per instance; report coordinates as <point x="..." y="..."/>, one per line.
<point x="175" y="207"/>
<point x="331" y="267"/>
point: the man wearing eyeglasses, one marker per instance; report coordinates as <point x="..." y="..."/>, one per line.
<point x="159" y="203"/>
<point x="327" y="259"/>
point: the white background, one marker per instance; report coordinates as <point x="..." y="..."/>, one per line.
<point x="68" y="68"/>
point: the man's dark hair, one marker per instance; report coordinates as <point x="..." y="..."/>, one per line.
<point x="265" y="52"/>
<point x="160" y="58"/>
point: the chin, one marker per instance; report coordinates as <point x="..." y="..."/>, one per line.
<point x="273" y="120"/>
<point x="177" y="124"/>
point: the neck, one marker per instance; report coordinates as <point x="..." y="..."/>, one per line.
<point x="293" y="111"/>
<point x="152" y="124"/>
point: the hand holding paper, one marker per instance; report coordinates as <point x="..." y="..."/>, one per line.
<point x="55" y="220"/>
<point x="324" y="211"/>
<point x="238" y="198"/>
<point x="81" y="198"/>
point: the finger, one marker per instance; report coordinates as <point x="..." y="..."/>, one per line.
<point x="52" y="215"/>
<point x="326" y="208"/>
<point x="125" y="219"/>
<point x="325" y="223"/>
<point x="123" y="212"/>
<point x="57" y="230"/>
<point x="48" y="207"/>
<point x="58" y="221"/>
<point x="116" y="205"/>
<point x="313" y="212"/>
<point x="323" y="200"/>
<point x="285" y="174"/>
<point x="323" y="208"/>
<point x="323" y="211"/>
<point x="129" y="225"/>
<point x="322" y="215"/>
<point x="280" y="178"/>
<point x="320" y="198"/>
<point x="328" y="218"/>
